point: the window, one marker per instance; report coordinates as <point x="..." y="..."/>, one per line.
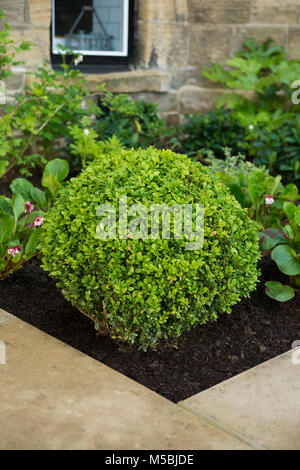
<point x="97" y="29"/>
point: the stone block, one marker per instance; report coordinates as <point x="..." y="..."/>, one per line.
<point x="210" y="44"/>
<point x="135" y="81"/>
<point x="260" y="33"/>
<point x="172" y="119"/>
<point x="162" y="10"/>
<point x="219" y="11"/>
<point x="276" y="11"/>
<point x="40" y="13"/>
<point x="294" y="42"/>
<point x="15" y="84"/>
<point x="260" y="406"/>
<point x="167" y="102"/>
<point x="162" y="45"/>
<point x="40" y="51"/>
<point x="194" y="99"/>
<point x="14" y="11"/>
<point x="155" y="10"/>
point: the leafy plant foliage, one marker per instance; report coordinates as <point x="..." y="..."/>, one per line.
<point x="145" y="290"/>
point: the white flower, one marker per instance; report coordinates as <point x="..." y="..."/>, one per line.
<point x="269" y="200"/>
<point x="14" y="250"/>
<point x="78" y="60"/>
<point x="38" y="221"/>
<point x="251" y="127"/>
<point x="86" y="132"/>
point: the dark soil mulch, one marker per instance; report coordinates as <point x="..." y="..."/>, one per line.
<point x="257" y="330"/>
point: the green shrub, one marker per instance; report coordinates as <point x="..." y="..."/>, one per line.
<point x="144" y="290"/>
<point x="134" y="123"/>
<point x="278" y="149"/>
<point x="261" y="80"/>
<point x="213" y="131"/>
<point x="33" y="128"/>
<point x="267" y="75"/>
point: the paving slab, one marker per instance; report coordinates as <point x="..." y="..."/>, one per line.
<point x="52" y="396"/>
<point x="260" y="406"/>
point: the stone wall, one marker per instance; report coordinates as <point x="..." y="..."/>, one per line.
<point x="173" y="40"/>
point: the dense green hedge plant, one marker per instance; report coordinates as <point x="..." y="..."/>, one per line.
<point x="22" y="216"/>
<point x="278" y="149"/>
<point x="214" y="130"/>
<point x="135" y="123"/>
<point x="145" y="290"/>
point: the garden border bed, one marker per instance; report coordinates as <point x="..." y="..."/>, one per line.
<point x="258" y="329"/>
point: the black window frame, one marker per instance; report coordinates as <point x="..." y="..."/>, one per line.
<point x="98" y="63"/>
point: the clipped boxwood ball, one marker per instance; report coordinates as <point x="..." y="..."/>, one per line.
<point x="144" y="290"/>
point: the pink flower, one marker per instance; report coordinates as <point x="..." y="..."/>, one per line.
<point x="38" y="221"/>
<point x="269" y="199"/>
<point x="14" y="250"/>
<point x="28" y="207"/>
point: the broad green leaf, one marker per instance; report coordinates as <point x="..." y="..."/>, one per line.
<point x="22" y="186"/>
<point x="289" y="231"/>
<point x="290" y="192"/>
<point x="278" y="291"/>
<point x="7" y="225"/>
<point x="33" y="241"/>
<point x="290" y="210"/>
<point x="18" y="205"/>
<point x="271" y="184"/>
<point x="286" y="259"/>
<point x="38" y="197"/>
<point x="50" y="182"/>
<point x="5" y="205"/>
<point x="272" y="237"/>
<point x="57" y="168"/>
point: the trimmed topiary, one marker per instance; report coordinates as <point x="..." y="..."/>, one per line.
<point x="144" y="290"/>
